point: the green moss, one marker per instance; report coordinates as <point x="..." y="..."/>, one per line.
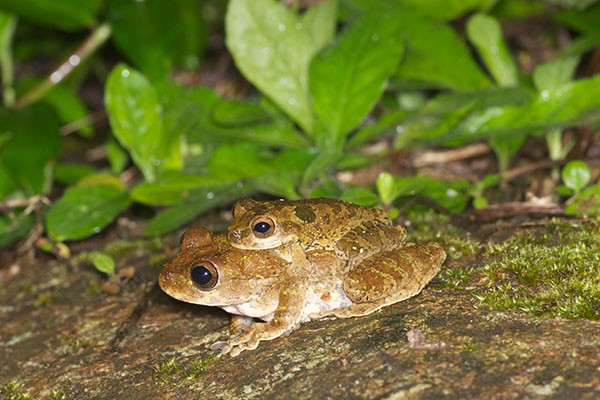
<point x="431" y="226"/>
<point x="12" y="391"/>
<point x="172" y="372"/>
<point x="550" y="274"/>
<point x="45" y="299"/>
<point x="59" y="395"/>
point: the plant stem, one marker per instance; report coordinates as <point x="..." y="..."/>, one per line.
<point x="100" y="35"/>
<point x="6" y="62"/>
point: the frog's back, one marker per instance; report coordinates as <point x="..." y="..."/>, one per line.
<point x="322" y="222"/>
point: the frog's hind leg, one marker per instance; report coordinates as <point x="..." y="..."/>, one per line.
<point x="364" y="240"/>
<point x="390" y="277"/>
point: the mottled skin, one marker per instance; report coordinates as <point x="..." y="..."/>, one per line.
<point x="261" y="284"/>
<point x="354" y="232"/>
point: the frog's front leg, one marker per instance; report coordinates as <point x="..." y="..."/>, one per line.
<point x="285" y="319"/>
<point x="365" y="240"/>
<point x="389" y="277"/>
<point x="239" y="324"/>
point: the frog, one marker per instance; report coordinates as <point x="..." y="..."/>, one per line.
<point x="294" y="227"/>
<point x="256" y="285"/>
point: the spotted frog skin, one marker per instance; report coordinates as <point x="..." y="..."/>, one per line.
<point x="295" y="227"/>
<point x="260" y="284"/>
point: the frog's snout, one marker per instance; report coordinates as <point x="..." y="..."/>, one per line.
<point x="235" y="235"/>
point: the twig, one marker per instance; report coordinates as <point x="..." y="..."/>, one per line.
<point x="93" y="42"/>
<point x="511" y="209"/>
<point x="427" y="158"/>
<point x="82" y="122"/>
<point x="511" y="174"/>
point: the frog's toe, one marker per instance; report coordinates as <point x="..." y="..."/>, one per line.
<point x="218" y="346"/>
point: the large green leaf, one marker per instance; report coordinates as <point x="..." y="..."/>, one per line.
<point x="175" y="187"/>
<point x="199" y="116"/>
<point x="139" y="32"/>
<point x="555" y="73"/>
<point x="85" y="210"/>
<point x="64" y="14"/>
<point x="272" y="48"/>
<point x="347" y="79"/>
<point x="436" y="9"/>
<point x="174" y="217"/>
<point x="574" y="103"/>
<point x="320" y="20"/>
<point x="436" y="55"/>
<point x="485" y="34"/>
<point x="29" y="140"/>
<point x="134" y="110"/>
<point x="585" y="21"/>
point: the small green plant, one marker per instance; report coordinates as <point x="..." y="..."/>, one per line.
<point x="104" y="263"/>
<point x="582" y="201"/>
<point x="12" y="391"/>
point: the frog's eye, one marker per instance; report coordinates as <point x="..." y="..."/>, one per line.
<point x="263" y="227"/>
<point x="205" y="275"/>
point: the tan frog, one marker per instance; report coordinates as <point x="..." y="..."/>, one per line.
<point x="260" y="284"/>
<point x="294" y="227"/>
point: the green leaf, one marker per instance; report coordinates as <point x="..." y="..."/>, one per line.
<point x="30" y="141"/>
<point x="70" y="173"/>
<point x="104" y="263"/>
<point x="176" y="188"/>
<point x="319" y="167"/>
<point x="576" y="175"/>
<point x="134" y="111"/>
<point x="485" y="34"/>
<point x="360" y="196"/>
<point x="553" y="74"/>
<point x="574" y="103"/>
<point x="385" y="187"/>
<point x="436" y="55"/>
<point x="480" y="202"/>
<point x="586" y="203"/>
<point x="63" y="14"/>
<point x="69" y="107"/>
<point x="272" y="48"/>
<point x="320" y="21"/>
<point x="506" y="149"/>
<point x="174" y="217"/>
<point x="348" y="78"/>
<point x="85" y="210"/>
<point x="14" y="229"/>
<point x="585" y="21"/>
<point x="139" y="32"/>
<point x="436" y="9"/>
<point x="238" y="112"/>
<point x="117" y="156"/>
<point x="189" y="112"/>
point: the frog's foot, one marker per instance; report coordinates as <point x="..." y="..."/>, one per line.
<point x="250" y="339"/>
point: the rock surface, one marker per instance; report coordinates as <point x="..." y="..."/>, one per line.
<point x="57" y="339"/>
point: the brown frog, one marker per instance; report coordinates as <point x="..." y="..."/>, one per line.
<point x="261" y="284"/>
<point x="294" y="227"/>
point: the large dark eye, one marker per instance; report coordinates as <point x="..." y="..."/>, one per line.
<point x="263" y="227"/>
<point x="205" y="275"/>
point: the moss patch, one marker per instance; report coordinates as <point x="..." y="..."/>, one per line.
<point x="551" y="274"/>
<point x="431" y="226"/>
